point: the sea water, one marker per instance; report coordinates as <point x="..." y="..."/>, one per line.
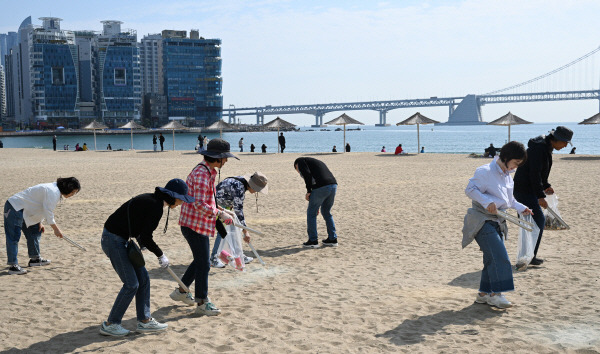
<point x="435" y="139"/>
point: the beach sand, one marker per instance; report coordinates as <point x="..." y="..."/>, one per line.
<point x="398" y="282"/>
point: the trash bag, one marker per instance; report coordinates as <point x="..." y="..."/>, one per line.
<point x="553" y="223"/>
<point x="526" y="244"/>
<point x="230" y="249"/>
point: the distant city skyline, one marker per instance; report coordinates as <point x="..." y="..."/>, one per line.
<point x="304" y="52"/>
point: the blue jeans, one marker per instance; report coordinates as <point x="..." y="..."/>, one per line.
<point x="496" y="276"/>
<point x="136" y="282"/>
<point x="216" y="245"/>
<point x="198" y="269"/>
<point x="13" y="225"/>
<point x="531" y="201"/>
<point x="323" y="198"/>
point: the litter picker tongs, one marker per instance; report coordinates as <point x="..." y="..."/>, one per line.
<point x="554" y="214"/>
<point x="515" y="220"/>
<point x="250" y="244"/>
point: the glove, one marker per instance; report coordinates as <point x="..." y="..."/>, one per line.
<point x="163" y="261"/>
<point x="227" y="219"/>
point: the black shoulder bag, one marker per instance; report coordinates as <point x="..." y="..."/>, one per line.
<point x="133" y="250"/>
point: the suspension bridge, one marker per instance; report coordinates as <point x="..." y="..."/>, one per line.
<point x="570" y="78"/>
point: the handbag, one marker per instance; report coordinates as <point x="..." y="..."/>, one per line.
<point x="133" y="250"/>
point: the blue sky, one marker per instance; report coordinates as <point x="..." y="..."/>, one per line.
<point x="301" y="52"/>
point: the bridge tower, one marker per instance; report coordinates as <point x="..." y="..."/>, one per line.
<point x="468" y="112"/>
<point x="382" y="119"/>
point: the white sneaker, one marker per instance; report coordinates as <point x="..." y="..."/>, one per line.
<point x="207" y="309"/>
<point x="482" y="299"/>
<point x="115" y="330"/>
<point x="186" y="298"/>
<point x="247" y="259"/>
<point x="216" y="263"/>
<point x="16" y="269"/>
<point x="151" y="326"/>
<point x="499" y="301"/>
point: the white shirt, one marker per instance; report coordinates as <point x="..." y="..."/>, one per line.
<point x="37" y="202"/>
<point x="492" y="185"/>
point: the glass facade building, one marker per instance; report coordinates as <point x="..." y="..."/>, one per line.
<point x="192" y="78"/>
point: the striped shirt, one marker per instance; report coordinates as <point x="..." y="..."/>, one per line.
<point x="200" y="215"/>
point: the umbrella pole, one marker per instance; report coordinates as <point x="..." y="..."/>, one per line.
<point x="173" y="139"/>
<point x="509" y="133"/>
<point x="131" y="132"/>
<point x="278" y="147"/>
<point x="95" y="149"/>
<point x="344" y="146"/>
<point x="418" y="139"/>
<point x="221" y="133"/>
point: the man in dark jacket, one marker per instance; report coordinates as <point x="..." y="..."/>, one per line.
<point x="321" y="187"/>
<point x="282" y="142"/>
<point x="531" y="178"/>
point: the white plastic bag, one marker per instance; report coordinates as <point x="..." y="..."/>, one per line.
<point x="553" y="223"/>
<point x="526" y="246"/>
<point x="230" y="249"/>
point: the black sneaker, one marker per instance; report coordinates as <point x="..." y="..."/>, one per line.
<point x="311" y="244"/>
<point x="328" y="242"/>
<point x="536" y="261"/>
<point x="16" y="269"/>
<point x="38" y="262"/>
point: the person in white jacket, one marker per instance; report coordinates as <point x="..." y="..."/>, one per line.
<point x="26" y="210"/>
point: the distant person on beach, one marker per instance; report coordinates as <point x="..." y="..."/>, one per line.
<point x="573" y="150"/>
<point x="154" y="142"/>
<point x="490" y="151"/>
<point x="206" y="140"/>
<point x="161" y="139"/>
<point x="252" y="147"/>
<point x="2" y="145"/>
<point x="491" y="189"/>
<point x="531" y="179"/>
<point x="25" y="211"/>
<point x="321" y="187"/>
<point x="422" y="149"/>
<point x="347" y="147"/>
<point x="383" y="149"/>
<point x="54" y="143"/>
<point x="200" y="143"/>
<point x="241" y="144"/>
<point x="77" y="147"/>
<point x="110" y="147"/>
<point x="84" y="148"/>
<point x="231" y="193"/>
<point x="281" y="141"/>
<point x="197" y="221"/>
<point x="399" y="150"/>
<point x="264" y="148"/>
<point x="334" y="149"/>
<point x="138" y="218"/>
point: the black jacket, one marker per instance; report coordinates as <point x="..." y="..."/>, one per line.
<point x="532" y="177"/>
<point x="145" y="212"/>
<point x="315" y="173"/>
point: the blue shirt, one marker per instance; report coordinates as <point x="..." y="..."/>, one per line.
<point x="492" y="185"/>
<point x="231" y="193"/>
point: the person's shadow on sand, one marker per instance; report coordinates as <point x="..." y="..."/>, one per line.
<point x="414" y="331"/>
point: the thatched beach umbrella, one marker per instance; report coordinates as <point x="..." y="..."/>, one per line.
<point x="417" y="119"/>
<point x="595" y="119"/>
<point x="131" y="126"/>
<point x="344" y="120"/>
<point x="174" y="125"/>
<point x="279" y="123"/>
<point x="509" y="119"/>
<point x="220" y="124"/>
<point x="93" y="126"/>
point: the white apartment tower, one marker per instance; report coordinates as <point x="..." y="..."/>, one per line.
<point x="151" y="64"/>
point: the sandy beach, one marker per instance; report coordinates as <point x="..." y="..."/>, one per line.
<point x="398" y="282"/>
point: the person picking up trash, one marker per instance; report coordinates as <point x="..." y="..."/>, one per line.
<point x="231" y="193"/>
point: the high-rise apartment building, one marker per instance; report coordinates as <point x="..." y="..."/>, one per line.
<point x="119" y="91"/>
<point x="151" y="64"/>
<point x="2" y="95"/>
<point x="192" y="77"/>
